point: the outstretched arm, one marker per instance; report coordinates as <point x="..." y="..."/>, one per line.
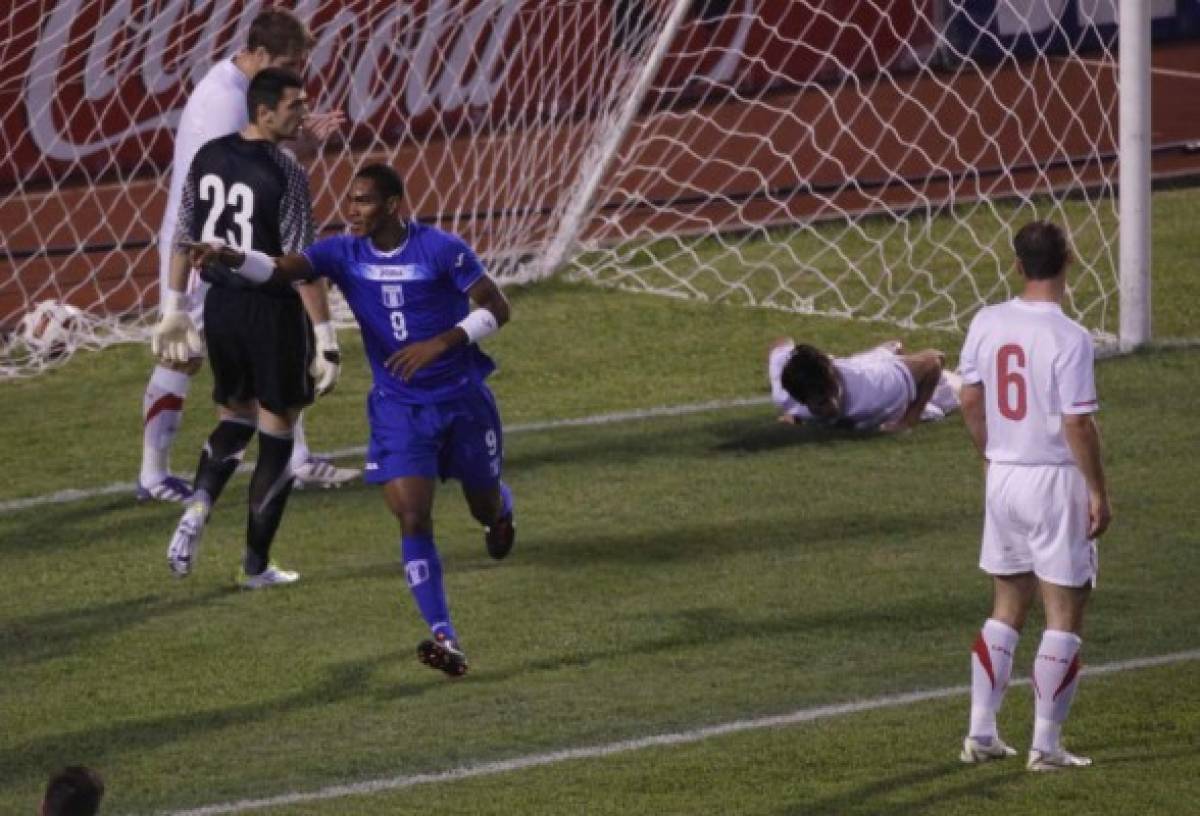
<point x="492" y="311"/>
<point x="254" y="266"/>
<point x="257" y="267"/>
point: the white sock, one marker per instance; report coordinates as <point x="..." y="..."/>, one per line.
<point x="162" y="411"/>
<point x="300" y="452"/>
<point x="991" y="668"/>
<point x="1055" y="678"/>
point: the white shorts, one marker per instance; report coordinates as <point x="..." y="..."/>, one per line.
<point x="1036" y="520"/>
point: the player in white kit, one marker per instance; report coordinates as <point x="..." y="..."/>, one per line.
<point x="1028" y="397"/>
<point x="217" y="107"/>
<point x="879" y="389"/>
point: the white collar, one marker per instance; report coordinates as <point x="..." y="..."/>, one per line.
<point x="1036" y="305"/>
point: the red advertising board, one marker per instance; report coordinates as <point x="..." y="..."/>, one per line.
<point x="93" y="88"/>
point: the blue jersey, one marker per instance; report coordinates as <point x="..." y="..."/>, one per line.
<point x="415" y="292"/>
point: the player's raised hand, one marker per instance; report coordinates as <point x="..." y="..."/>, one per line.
<point x="316" y="129"/>
<point x="412" y="358"/>
<point x="323" y="124"/>
<point x="327" y="362"/>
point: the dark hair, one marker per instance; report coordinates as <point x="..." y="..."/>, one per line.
<point x="386" y="180"/>
<point x="280" y="32"/>
<point x="74" y="791"/>
<point x="267" y="88"/>
<point x="1042" y="249"/>
<point x="808" y="375"/>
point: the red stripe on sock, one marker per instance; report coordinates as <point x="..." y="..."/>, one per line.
<point x="985" y="658"/>
<point x="1072" y="671"/>
<point x="168" y="403"/>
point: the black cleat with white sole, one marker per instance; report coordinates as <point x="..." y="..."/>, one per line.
<point x="443" y="654"/>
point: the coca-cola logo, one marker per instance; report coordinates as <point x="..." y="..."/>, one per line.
<point x="408" y="59"/>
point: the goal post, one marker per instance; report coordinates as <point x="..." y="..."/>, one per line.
<point x="1135" y="175"/>
<point x="866" y="160"/>
<point x="609" y="140"/>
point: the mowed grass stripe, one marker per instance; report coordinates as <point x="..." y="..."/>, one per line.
<point x="74" y="494"/>
<point x="804" y="715"/>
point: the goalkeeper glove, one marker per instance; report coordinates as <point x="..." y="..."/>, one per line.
<point x="175" y="339"/>
<point x="327" y="362"/>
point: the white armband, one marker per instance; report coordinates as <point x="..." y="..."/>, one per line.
<point x="257" y="267"/>
<point x="173" y="302"/>
<point x="478" y="324"/>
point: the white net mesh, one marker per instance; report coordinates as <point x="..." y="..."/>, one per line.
<point x="866" y="159"/>
<point x="487" y="107"/>
<point x="872" y="164"/>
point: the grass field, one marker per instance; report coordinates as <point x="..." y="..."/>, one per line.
<point x="671" y="574"/>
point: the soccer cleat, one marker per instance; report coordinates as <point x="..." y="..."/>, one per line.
<point x="271" y="576"/>
<point x="185" y="542"/>
<point x="316" y="472"/>
<point x="442" y="654"/>
<point x="499" y="536"/>
<point x="975" y="750"/>
<point x="169" y="489"/>
<point x="1059" y="760"/>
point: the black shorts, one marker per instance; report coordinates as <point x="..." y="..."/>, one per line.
<point x="259" y="347"/>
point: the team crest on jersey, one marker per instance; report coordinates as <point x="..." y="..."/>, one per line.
<point x="392" y="295"/>
<point x="395" y="272"/>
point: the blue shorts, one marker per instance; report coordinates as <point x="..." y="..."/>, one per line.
<point x="457" y="438"/>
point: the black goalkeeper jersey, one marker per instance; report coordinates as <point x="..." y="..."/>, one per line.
<point x="250" y="195"/>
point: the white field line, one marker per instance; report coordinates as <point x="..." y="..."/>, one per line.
<point x="802" y="715"/>
<point x="79" y="494"/>
<point x="1112" y="65"/>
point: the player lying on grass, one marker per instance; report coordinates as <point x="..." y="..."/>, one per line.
<point x="431" y="415"/>
<point x="880" y="389"/>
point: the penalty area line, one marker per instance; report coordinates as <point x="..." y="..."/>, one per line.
<point x="80" y="494"/>
<point x="803" y="715"/>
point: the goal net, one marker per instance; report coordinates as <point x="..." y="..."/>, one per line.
<point x="868" y="160"/>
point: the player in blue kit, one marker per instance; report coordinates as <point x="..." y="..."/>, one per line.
<point x="411" y="288"/>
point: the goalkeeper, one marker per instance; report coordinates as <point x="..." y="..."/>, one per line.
<point x="246" y="190"/>
<point x="880" y="389"/>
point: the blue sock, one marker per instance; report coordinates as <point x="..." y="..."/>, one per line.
<point x="506" y="500"/>
<point x="423" y="569"/>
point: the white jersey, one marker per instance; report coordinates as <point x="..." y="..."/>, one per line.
<point x="1035" y="364"/>
<point x="217" y="107"/>
<point x="878" y="387"/>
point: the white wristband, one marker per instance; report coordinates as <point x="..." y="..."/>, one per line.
<point x="480" y="323"/>
<point x="257" y="267"/>
<point x="173" y="302"/>
<point x="326" y="335"/>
